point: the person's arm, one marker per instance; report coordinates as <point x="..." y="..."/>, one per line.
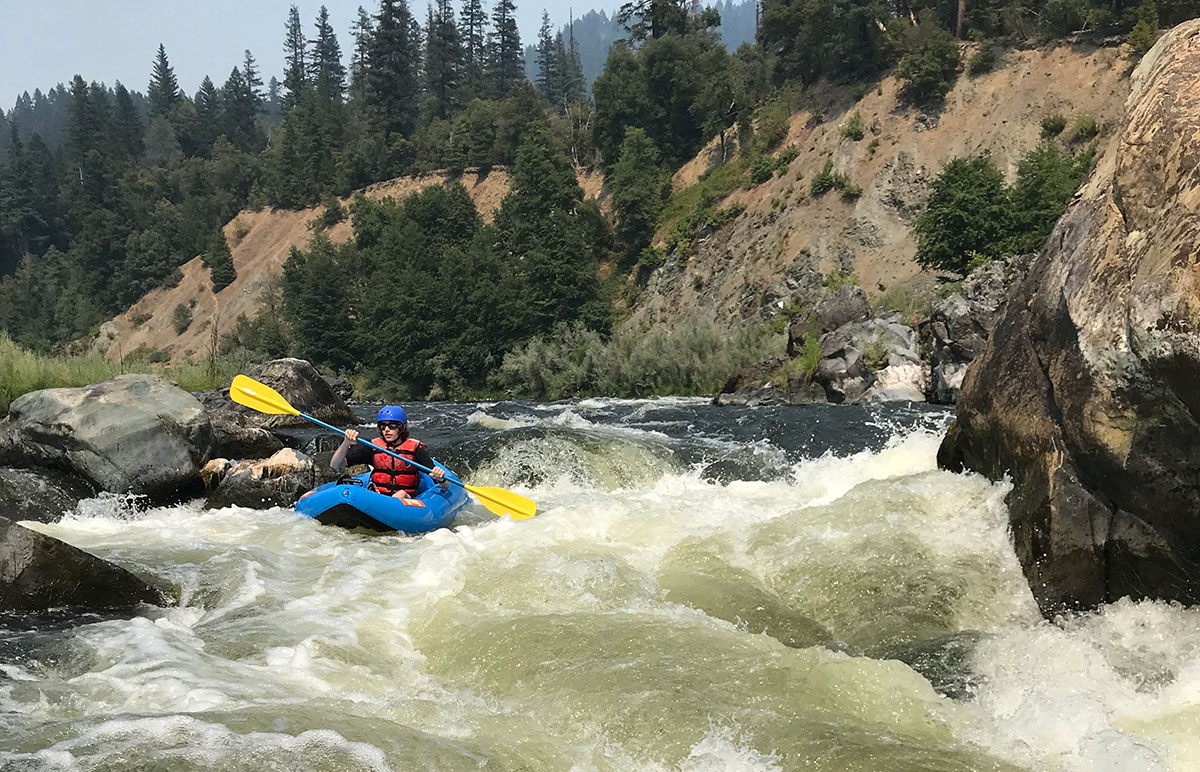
<point x="422" y="457"/>
<point x="339" y="456"/>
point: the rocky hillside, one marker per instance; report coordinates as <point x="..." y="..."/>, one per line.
<point x="776" y="251"/>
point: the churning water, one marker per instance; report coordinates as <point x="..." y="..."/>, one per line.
<point x="704" y="589"/>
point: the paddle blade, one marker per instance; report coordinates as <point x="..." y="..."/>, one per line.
<point x="264" y="399"/>
<point x="502" y="502"/>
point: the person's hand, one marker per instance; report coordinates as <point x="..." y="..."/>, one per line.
<point x="438" y="474"/>
<point x="400" y="495"/>
<point x="351" y="436"/>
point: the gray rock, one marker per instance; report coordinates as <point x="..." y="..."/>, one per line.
<point x="38" y="572"/>
<point x="42" y="495"/>
<point x="235" y="437"/>
<point x="132" y="434"/>
<point x="298" y="382"/>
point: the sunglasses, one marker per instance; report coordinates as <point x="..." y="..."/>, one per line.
<point x="388" y="425"/>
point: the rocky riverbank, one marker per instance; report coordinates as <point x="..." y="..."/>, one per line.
<point x="140" y="436"/>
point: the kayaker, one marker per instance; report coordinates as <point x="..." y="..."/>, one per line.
<point x="389" y="475"/>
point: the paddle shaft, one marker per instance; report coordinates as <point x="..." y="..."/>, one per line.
<point x="378" y="449"/>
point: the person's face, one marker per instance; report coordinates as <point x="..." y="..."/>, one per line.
<point x="389" y="430"/>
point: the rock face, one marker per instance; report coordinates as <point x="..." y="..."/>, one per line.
<point x="1088" y="392"/>
<point x="274" y="482"/>
<point x="960" y="325"/>
<point x="132" y="434"/>
<point x="298" y="382"/>
<point x="38" y="572"/>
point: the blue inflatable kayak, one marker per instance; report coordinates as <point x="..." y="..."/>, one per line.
<point x="350" y="503"/>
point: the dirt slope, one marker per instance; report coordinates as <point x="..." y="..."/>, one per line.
<point x="260" y="243"/>
<point x="774" y="253"/>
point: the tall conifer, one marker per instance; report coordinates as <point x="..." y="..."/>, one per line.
<point x="392" y="67"/>
<point x="295" y="55"/>
<point x="473" y="31"/>
<point x="547" y="62"/>
<point x="362" y="30"/>
<point x="163" y="91"/>
<point x="443" y="59"/>
<point x="253" y="78"/>
<point x="209" y="118"/>
<point x="328" y="72"/>
<point x="126" y="125"/>
<point x="506" y="65"/>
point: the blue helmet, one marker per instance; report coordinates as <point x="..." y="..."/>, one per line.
<point x="392" y="413"/>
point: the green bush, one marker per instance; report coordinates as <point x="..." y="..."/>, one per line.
<point x="762" y="169"/>
<point x="824" y="180"/>
<point x="875" y="355"/>
<point x="983" y="60"/>
<point x="138" y="319"/>
<point x="1053" y="125"/>
<point x="1083" y="128"/>
<point x="930" y="61"/>
<point x="695" y="357"/>
<point x="853" y="129"/>
<point x="967" y="212"/>
<point x="181" y="318"/>
<point x="784" y="159"/>
<point x="1142" y="37"/>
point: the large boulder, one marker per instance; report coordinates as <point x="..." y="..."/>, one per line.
<point x="1086" y="394"/>
<point x="846" y="305"/>
<point x="278" y="481"/>
<point x="132" y="434"/>
<point x="38" y="572"/>
<point x="43" y="495"/>
<point x="235" y="437"/>
<point x="299" y="383"/>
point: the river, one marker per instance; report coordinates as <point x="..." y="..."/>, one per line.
<point x="703" y="589"/>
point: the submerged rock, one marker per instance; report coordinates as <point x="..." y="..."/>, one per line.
<point x="132" y="434"/>
<point x="38" y="572"/>
<point x="1088" y="392"/>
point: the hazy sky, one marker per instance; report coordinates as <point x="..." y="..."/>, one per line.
<point x="45" y="42"/>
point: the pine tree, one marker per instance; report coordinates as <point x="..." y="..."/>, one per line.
<point x="548" y="81"/>
<point x="254" y="81"/>
<point x="209" y="117"/>
<point x="506" y="65"/>
<point x="240" y="109"/>
<point x="295" y="72"/>
<point x="127" y="125"/>
<point x="328" y="72"/>
<point x="392" y="70"/>
<point x="219" y="260"/>
<point x="443" y="60"/>
<point x="362" y="31"/>
<point x="473" y="32"/>
<point x="639" y="190"/>
<point x="163" y="91"/>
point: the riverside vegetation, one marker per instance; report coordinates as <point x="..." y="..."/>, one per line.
<point x="106" y="192"/>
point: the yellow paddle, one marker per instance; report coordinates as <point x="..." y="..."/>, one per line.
<point x="249" y="392"/>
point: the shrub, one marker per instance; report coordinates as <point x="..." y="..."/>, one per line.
<point x="1142" y="37"/>
<point x="333" y="214"/>
<point x="837" y="278"/>
<point x="1082" y="129"/>
<point x="983" y="60"/>
<point x="852" y="129"/>
<point x="785" y="158"/>
<point x="850" y="192"/>
<point x="875" y="355"/>
<point x="695" y="357"/>
<point x="140" y="318"/>
<point x="181" y="318"/>
<point x="762" y="169"/>
<point x="721" y="217"/>
<point x="930" y="62"/>
<point x="967" y="213"/>
<point x="1053" y="125"/>
<point x="824" y="180"/>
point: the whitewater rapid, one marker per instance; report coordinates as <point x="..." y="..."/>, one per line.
<point x="700" y="591"/>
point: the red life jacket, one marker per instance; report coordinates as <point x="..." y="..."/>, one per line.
<point x="392" y="474"/>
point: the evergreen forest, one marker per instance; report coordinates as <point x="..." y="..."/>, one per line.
<point x="106" y="191"/>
